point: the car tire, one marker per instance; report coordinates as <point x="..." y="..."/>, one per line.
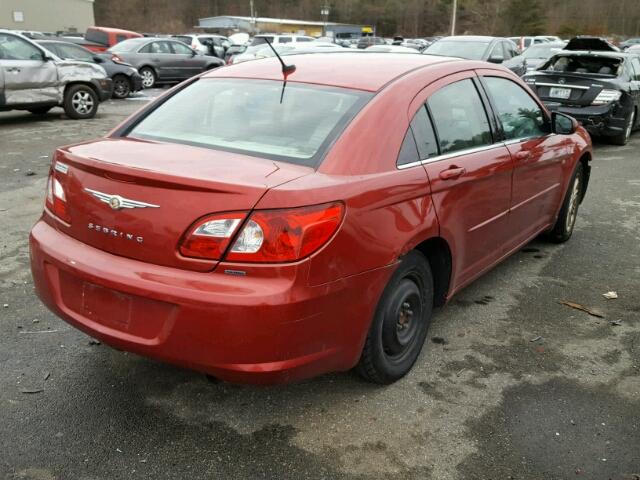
<point x="400" y="323"/>
<point x="121" y="87"/>
<point x="80" y="102"/>
<point x="563" y="228"/>
<point x="623" y="138"/>
<point x="149" y="77"/>
<point x="40" y="110"/>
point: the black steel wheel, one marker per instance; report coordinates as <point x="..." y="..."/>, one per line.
<point x="401" y="322"/>
<point x="121" y="86"/>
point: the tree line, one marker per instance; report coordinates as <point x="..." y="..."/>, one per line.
<point x="411" y="18"/>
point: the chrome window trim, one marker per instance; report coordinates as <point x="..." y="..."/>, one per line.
<point x="446" y="156"/>
<point x="544" y="84"/>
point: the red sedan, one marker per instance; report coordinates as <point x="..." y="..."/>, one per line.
<point x="266" y="232"/>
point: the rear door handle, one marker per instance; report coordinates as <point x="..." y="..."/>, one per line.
<point x="452" y="173"/>
<point x="522" y="155"/>
<point x="13" y="70"/>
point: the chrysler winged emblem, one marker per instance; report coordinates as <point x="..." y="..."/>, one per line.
<point x="116" y="202"/>
<point x="561" y="81"/>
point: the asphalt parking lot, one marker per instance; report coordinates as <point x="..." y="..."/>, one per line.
<point x="512" y="384"/>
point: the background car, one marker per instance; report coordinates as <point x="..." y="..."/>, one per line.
<point x="214" y="45"/>
<point x="390" y="49"/>
<point x="525" y="42"/>
<point x="489" y="49"/>
<point x="126" y="79"/>
<point x="274" y="39"/>
<point x="265" y="51"/>
<point x="34" y="79"/>
<point x="368" y="41"/>
<point x="163" y="60"/>
<point x="597" y="87"/>
<point x="630" y="42"/>
<point x="537" y="54"/>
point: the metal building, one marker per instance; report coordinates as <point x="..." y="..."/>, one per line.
<point x="47" y="15"/>
<point x="232" y="24"/>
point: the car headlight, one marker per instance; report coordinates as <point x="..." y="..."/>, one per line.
<point x="607" y="96"/>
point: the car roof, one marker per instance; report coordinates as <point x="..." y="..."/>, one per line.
<point x="357" y="70"/>
<point x="595" y="53"/>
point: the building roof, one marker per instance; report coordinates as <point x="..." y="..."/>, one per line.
<point x="230" y="21"/>
<point x="357" y="70"/>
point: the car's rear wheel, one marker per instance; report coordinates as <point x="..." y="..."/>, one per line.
<point x="80" y="102"/>
<point x="149" y="78"/>
<point x="121" y="86"/>
<point x="563" y="228"/>
<point x="401" y="322"/>
<point x="624" y="137"/>
<point x="40" y="110"/>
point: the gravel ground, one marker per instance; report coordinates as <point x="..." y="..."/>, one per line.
<point x="521" y="388"/>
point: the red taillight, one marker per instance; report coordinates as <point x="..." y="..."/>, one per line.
<point x="286" y="235"/>
<point x="56" y="201"/>
<point x="210" y="236"/>
<point x="268" y="236"/>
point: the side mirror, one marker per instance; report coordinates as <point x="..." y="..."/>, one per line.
<point x="563" y="124"/>
<point x="496" y="59"/>
<point x="194" y="53"/>
<point x="98" y="59"/>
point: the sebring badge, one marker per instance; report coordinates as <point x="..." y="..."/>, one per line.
<point x="117" y="202"/>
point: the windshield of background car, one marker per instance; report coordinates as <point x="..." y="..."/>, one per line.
<point x="97" y="36"/>
<point x="248" y="116"/>
<point x="583" y="64"/>
<point x="471" y="50"/>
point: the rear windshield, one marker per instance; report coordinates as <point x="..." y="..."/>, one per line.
<point x="255" y="118"/>
<point x="589" y="64"/>
<point x="127" y="46"/>
<point x="97" y="36"/>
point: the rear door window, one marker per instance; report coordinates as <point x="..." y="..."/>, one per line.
<point x="459" y="117"/>
<point x="521" y="117"/>
<point x="284" y="40"/>
<point x="408" y="151"/>
<point x="181" y="49"/>
<point x="76" y="53"/>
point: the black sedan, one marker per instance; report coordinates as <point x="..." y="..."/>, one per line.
<point x="489" y="49"/>
<point x="126" y="79"/>
<point x="600" y="88"/>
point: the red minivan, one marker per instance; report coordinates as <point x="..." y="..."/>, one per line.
<point x="265" y="231"/>
<point x="103" y="38"/>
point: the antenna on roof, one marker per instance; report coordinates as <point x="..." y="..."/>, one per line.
<point x="286" y="69"/>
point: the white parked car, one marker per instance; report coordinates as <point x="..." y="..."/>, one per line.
<point x="212" y="45"/>
<point x="264" y="51"/>
<point x="279" y="39"/>
<point x="391" y="49"/>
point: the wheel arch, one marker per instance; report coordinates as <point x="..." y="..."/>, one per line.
<point x="80" y="82"/>
<point x="585" y="160"/>
<point x="438" y="254"/>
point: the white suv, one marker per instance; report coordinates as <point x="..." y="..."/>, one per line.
<point x="279" y="39"/>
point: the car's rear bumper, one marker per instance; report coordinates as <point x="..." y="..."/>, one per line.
<point x="269" y="329"/>
<point x="600" y="120"/>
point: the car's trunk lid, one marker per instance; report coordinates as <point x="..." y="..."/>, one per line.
<point x="568" y="89"/>
<point x="171" y="186"/>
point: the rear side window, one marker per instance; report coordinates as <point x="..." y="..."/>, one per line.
<point x="589" y="64"/>
<point x="75" y="53"/>
<point x="519" y="114"/>
<point x="284" y="40"/>
<point x="255" y="118"/>
<point x="15" y="48"/>
<point x="408" y="151"/>
<point x="120" y="38"/>
<point x="459" y="117"/>
<point x="261" y="40"/>
<point x="423" y="133"/>
<point x="304" y="39"/>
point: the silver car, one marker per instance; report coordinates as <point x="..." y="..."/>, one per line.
<point x="34" y="79"/>
<point x="161" y="60"/>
